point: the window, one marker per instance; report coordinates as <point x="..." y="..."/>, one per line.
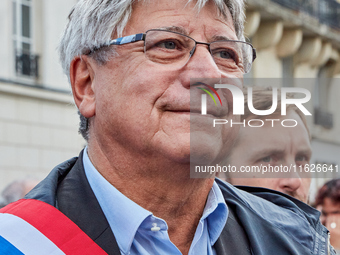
<point x="288" y="72"/>
<point x="322" y="115"/>
<point x="26" y="63"/>
<point x="287" y="67"/>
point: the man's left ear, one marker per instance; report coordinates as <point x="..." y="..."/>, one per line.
<point x="82" y="83"/>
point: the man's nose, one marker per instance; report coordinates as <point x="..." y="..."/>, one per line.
<point x="292" y="180"/>
<point x="201" y="64"/>
<point x="291" y="184"/>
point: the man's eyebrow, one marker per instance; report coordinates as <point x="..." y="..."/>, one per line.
<point x="266" y="152"/>
<point x="175" y="29"/>
<point x="221" y="38"/>
<point x="183" y="31"/>
<point x="307" y="152"/>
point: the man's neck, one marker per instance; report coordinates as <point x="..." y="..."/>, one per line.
<point x="163" y="188"/>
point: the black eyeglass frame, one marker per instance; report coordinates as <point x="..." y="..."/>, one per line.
<point x="142" y="36"/>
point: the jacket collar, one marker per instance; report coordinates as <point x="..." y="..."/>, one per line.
<point x="73" y="196"/>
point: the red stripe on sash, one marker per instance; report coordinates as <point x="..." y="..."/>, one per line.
<point x="52" y="223"/>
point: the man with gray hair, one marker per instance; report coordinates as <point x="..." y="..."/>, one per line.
<point x="129" y="191"/>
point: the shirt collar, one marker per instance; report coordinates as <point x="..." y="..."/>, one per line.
<point x="216" y="213"/>
<point x="123" y="215"/>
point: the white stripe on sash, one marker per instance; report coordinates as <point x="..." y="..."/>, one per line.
<point x="25" y="237"/>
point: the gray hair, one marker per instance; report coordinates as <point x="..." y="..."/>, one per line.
<point x="93" y="22"/>
<point x="16" y="190"/>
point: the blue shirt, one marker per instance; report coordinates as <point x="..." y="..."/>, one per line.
<point x="138" y="231"/>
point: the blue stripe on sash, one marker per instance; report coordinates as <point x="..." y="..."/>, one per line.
<point x="7" y="248"/>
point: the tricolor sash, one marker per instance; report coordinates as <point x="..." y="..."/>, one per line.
<point x="33" y="227"/>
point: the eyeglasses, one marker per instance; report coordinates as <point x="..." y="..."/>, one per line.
<point x="175" y="49"/>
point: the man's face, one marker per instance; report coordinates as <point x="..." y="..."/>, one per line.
<point x="143" y="106"/>
<point x="329" y="209"/>
<point x="274" y="146"/>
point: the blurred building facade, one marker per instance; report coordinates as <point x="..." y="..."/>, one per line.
<point x="38" y="121"/>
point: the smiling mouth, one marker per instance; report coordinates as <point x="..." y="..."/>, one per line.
<point x="193" y="105"/>
<point x="181" y="112"/>
<point x="194" y="113"/>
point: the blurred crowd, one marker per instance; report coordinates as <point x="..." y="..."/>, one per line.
<point x="16" y="190"/>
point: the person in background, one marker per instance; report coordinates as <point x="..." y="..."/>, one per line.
<point x="272" y="144"/>
<point x="17" y="190"/>
<point x="328" y="202"/>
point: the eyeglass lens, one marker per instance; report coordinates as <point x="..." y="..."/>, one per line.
<point x="172" y="48"/>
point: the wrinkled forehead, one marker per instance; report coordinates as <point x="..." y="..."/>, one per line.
<point x="196" y="5"/>
<point x="188" y="16"/>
